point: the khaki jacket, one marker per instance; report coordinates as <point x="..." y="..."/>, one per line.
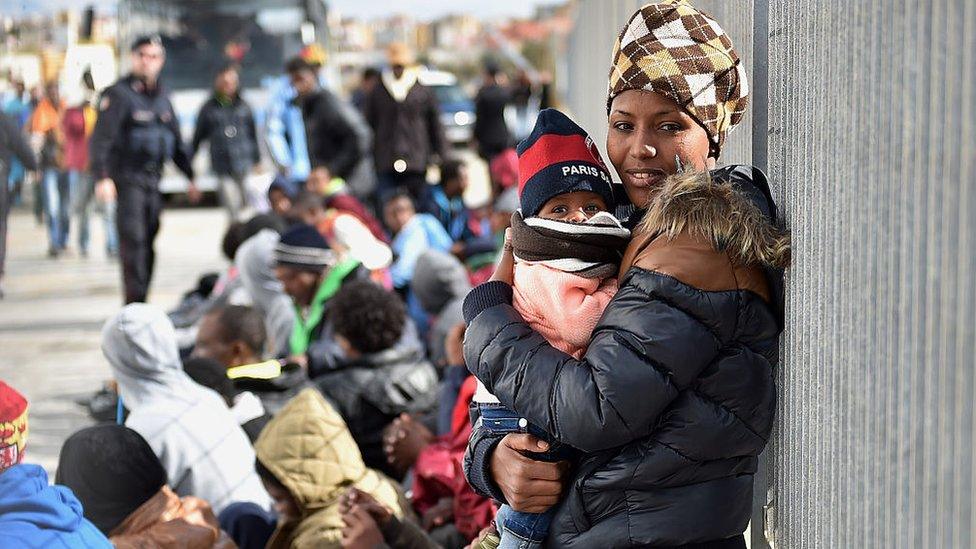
<point x="308" y="448"/>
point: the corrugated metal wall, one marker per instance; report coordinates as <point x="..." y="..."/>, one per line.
<point x="864" y="119"/>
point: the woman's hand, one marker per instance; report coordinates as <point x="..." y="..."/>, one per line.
<point x="505" y="270"/>
<point x="529" y="486"/>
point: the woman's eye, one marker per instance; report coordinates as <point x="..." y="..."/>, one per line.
<point x="593" y="208"/>
<point x="559" y="210"/>
<point x="623" y="126"/>
<point x="671" y="127"/>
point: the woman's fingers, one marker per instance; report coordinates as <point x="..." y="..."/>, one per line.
<point x="525" y="442"/>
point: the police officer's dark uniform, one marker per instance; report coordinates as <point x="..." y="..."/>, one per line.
<point x="135" y="133"/>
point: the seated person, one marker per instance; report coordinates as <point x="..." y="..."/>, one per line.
<point x="247" y="409"/>
<point x="346" y="234"/>
<point x="281" y="195"/>
<point x="311" y="273"/>
<point x="370" y="524"/>
<point x="306" y="478"/>
<point x="471" y="234"/>
<point x="321" y="182"/>
<point x="483" y="265"/>
<point x="440" y="283"/>
<point x="449" y="507"/>
<point x="123" y="489"/>
<point x="32" y="513"/>
<point x="414" y="233"/>
<point x="379" y="378"/>
<point x="194" y="435"/>
<point x="255" y="264"/>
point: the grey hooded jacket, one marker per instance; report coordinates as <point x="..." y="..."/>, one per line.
<point x="198" y="441"/>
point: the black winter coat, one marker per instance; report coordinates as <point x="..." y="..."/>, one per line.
<point x="336" y="136"/>
<point x="232" y="135"/>
<point x="490" y="129"/>
<point x="671" y="404"/>
<point x="408" y="130"/>
<point x="372" y="391"/>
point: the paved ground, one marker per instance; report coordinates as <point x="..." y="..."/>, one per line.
<point x="54" y="309"/>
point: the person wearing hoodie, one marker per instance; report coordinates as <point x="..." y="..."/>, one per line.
<point x="307" y="479"/>
<point x="406" y="126"/>
<point x="379" y="377"/>
<point x="255" y="263"/>
<point x="32" y="513"/>
<point x="440" y="282"/>
<point x="124" y="491"/>
<point x="202" y="448"/>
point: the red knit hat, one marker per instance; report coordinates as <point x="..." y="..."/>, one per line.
<point x="13" y="426"/>
<point x="558" y="157"/>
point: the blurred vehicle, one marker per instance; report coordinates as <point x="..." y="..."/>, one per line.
<point x="201" y="37"/>
<point x="457" y="107"/>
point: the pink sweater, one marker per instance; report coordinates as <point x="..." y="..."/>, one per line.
<point x="563" y="307"/>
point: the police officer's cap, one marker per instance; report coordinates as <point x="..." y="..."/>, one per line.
<point x="145" y="40"/>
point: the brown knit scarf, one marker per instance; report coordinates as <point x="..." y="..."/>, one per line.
<point x="591" y="250"/>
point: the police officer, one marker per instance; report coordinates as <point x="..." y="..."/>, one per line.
<point x="135" y="133"/>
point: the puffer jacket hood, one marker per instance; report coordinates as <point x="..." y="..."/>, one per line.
<point x="736" y="214"/>
<point x="438" y="279"/>
<point x="140" y="343"/>
<point x="34" y="514"/>
<point x="311" y="452"/>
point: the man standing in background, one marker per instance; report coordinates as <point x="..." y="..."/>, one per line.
<point x="407" y="132"/>
<point x="135" y="134"/>
<point x="13" y="144"/>
<point x="226" y="122"/>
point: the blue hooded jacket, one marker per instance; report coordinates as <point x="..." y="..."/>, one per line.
<point x="33" y="514"/>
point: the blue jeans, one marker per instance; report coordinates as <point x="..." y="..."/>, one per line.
<point x="81" y="186"/>
<point x="520" y="530"/>
<point x="57" y="207"/>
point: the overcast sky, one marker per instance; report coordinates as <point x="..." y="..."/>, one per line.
<point x="421" y="9"/>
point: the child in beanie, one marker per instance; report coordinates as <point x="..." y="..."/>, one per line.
<point x="567" y="248"/>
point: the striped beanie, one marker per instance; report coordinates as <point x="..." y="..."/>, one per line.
<point x="678" y="51"/>
<point x="13" y="426"/>
<point x="558" y="157"/>
<point x="304" y="248"/>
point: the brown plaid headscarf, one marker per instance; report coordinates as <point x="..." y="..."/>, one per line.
<point x="681" y="52"/>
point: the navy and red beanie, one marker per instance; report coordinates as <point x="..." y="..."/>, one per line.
<point x="558" y="157"/>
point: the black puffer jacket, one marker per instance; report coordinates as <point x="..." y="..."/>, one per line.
<point x="372" y="391"/>
<point x="674" y="399"/>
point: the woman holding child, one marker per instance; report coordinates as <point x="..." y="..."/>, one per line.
<point x="673" y="399"/>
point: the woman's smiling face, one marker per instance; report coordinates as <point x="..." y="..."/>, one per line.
<point x="647" y="131"/>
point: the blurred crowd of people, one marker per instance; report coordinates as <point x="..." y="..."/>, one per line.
<point x="313" y="393"/>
